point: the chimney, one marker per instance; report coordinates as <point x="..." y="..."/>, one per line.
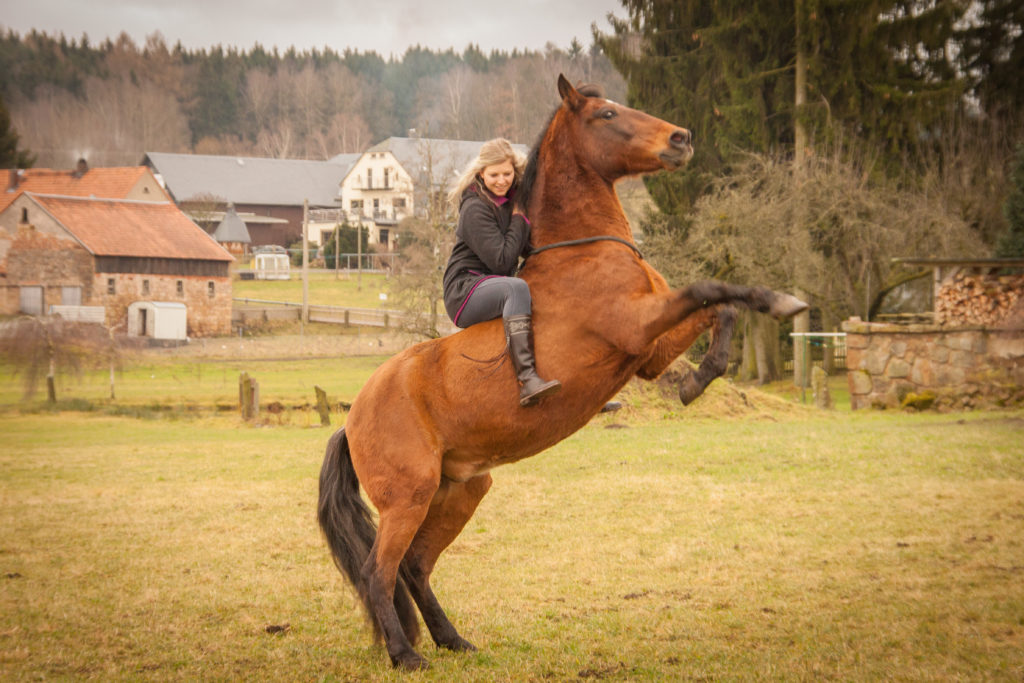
<point x="13" y="176"/>
<point x="81" y="169"/>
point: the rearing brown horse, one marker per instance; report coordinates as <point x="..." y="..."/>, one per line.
<point x="431" y="422"/>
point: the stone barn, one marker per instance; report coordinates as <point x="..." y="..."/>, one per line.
<point x="59" y="250"/>
<point x="967" y="352"/>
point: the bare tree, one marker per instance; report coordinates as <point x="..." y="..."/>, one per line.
<point x="832" y="232"/>
<point x="427" y="240"/>
<point x="41" y="347"/>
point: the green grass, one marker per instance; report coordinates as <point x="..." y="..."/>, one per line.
<point x="325" y="289"/>
<point x="198" y="384"/>
<point x="804" y="546"/>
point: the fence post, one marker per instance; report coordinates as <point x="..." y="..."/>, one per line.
<point x="322" y="407"/>
<point x="248" y="396"/>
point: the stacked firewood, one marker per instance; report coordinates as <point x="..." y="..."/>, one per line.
<point x="968" y="298"/>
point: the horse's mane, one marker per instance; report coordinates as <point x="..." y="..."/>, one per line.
<point x="533" y="159"/>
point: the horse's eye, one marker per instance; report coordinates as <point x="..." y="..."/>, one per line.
<point x="607" y="114"/>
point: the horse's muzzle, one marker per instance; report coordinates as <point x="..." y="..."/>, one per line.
<point x="680" y="149"/>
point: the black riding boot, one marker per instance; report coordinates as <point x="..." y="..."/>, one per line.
<point x="520" y="347"/>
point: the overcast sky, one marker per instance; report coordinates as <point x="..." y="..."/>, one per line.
<point x="388" y="27"/>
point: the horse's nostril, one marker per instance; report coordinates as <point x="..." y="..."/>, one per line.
<point x="681" y="137"/>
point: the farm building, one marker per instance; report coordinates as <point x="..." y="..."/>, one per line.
<point x="967" y="351"/>
<point x="267" y="193"/>
<point x="112" y="253"/>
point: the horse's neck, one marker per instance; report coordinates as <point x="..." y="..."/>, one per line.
<point x="571" y="202"/>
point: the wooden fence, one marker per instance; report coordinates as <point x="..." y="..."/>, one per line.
<point x="262" y="309"/>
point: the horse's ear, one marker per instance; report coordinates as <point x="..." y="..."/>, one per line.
<point x="569" y="94"/>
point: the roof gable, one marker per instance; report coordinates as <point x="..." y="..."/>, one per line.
<point x="112" y="183"/>
<point x="108" y="227"/>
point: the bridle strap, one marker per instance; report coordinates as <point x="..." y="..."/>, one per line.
<point x="587" y="240"/>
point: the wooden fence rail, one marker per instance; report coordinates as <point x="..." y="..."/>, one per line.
<point x="262" y="309"/>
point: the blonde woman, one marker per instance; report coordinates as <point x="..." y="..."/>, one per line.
<point x="492" y="234"/>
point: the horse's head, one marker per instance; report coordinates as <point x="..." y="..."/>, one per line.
<point x="619" y="141"/>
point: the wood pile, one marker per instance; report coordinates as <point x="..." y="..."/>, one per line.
<point x="970" y="298"/>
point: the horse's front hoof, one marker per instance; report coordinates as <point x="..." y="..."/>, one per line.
<point x="786" y="306"/>
<point x="459" y="644"/>
<point x="689" y="389"/>
<point x="410" y="661"/>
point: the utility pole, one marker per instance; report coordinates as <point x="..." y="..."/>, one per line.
<point x="305" y="262"/>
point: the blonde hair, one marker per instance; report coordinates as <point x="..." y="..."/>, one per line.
<point x="492" y="152"/>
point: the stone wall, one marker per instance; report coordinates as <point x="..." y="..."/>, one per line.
<point x="922" y="366"/>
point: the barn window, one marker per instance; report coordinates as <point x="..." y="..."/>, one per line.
<point x="111" y="286"/>
<point x="211" y="289"/>
<point x="145" y="288"/>
<point x="181" y="287"/>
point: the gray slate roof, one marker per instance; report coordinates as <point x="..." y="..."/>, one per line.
<point x="232" y="228"/>
<point x="447" y="158"/>
<point x="251" y="180"/>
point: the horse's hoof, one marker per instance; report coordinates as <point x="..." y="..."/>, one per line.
<point x="410" y="661"/>
<point x="786" y="306"/>
<point x="459" y="644"/>
<point x="689" y="389"/>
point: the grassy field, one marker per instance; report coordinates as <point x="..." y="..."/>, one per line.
<point x="325" y="289"/>
<point x="772" y="543"/>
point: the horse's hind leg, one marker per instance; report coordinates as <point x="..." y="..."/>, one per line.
<point x="453" y="505"/>
<point x="401" y="515"/>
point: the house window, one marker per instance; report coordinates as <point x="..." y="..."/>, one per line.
<point x="111" y="286"/>
<point x="386" y="178"/>
<point x="376" y="205"/>
<point x="31" y="300"/>
<point x="357" y="204"/>
<point x="181" y="287"/>
<point x="211" y="289"/>
<point x="145" y="288"/>
<point x="399" y="202"/>
<point x="71" y="296"/>
<point x="369" y="178"/>
<point x="384" y="235"/>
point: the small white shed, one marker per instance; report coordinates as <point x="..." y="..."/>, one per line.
<point x="158" y="320"/>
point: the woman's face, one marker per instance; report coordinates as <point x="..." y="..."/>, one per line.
<point x="498" y="178"/>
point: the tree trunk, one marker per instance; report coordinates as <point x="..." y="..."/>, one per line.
<point x="766" y="349"/>
<point x="801" y="324"/>
<point x="748" y="360"/>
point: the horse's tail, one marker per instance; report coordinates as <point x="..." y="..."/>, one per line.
<point x="349" y="527"/>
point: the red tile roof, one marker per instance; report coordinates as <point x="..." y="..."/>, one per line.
<point x="110" y="227"/>
<point x="113" y="183"/>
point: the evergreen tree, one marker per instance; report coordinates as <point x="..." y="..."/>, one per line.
<point x="347" y="240"/>
<point x="875" y="68"/>
<point x="992" y="54"/>
<point x="1011" y="244"/>
<point x="10" y="155"/>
